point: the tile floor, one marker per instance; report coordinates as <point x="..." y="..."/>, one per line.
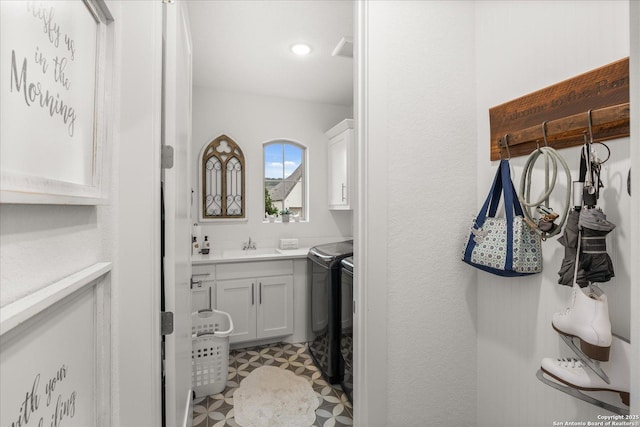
<point x="217" y="410"/>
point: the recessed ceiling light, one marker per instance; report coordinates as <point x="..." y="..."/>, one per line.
<point x="301" y="49"/>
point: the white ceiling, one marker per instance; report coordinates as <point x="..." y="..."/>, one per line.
<point x="243" y="45"/>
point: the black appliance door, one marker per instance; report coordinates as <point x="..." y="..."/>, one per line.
<point x="324" y="289"/>
<point x="346" y="333"/>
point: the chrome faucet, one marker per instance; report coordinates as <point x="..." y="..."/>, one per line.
<point x="248" y="245"/>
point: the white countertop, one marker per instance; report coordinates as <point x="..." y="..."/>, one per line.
<point x="237" y="255"/>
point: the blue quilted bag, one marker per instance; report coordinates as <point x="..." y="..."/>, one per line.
<point x="503" y="246"/>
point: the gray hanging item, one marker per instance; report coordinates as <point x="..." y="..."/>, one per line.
<point x="594" y="259"/>
<point x="595" y="263"/>
<point x="569" y="240"/>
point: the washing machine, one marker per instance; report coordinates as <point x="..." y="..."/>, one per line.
<point x="325" y="311"/>
<point x="346" y="326"/>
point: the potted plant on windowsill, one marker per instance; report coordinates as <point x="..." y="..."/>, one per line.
<point x="285" y="214"/>
<point x="271" y="212"/>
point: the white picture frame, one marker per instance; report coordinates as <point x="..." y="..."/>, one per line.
<point x="55" y="81"/>
<point x="55" y="353"/>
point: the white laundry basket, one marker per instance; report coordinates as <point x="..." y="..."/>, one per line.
<point x="210" y="351"/>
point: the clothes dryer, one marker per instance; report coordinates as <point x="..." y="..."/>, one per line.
<point x="346" y="326"/>
<point x="324" y="281"/>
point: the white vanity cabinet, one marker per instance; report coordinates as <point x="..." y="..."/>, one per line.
<point x="237" y="297"/>
<point x="339" y="165"/>
<point x="259" y="298"/>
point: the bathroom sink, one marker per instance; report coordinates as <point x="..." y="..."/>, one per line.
<point x="249" y="253"/>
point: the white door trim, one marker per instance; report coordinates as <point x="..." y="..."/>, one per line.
<point x="370" y="238"/>
<point x="360" y="392"/>
<point x="634" y="26"/>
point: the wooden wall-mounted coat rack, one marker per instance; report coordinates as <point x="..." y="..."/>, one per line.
<point x="561" y="111"/>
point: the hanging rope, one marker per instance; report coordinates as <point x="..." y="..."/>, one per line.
<point x="551" y="157"/>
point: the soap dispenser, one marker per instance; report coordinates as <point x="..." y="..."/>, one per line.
<point x="206" y="246"/>
<point x="195" y="246"/>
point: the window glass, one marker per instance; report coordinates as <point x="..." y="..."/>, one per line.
<point x="284" y="178"/>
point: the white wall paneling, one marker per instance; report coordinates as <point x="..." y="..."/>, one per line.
<point x="49" y="383"/>
<point x="54" y="114"/>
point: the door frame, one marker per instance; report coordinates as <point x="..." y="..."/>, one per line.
<point x="369" y="328"/>
<point x="634" y="64"/>
<point x="135" y="305"/>
<point x="176" y="223"/>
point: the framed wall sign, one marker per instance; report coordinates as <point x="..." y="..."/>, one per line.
<point x="55" y="354"/>
<point x="55" y="62"/>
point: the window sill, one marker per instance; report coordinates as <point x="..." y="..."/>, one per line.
<point x="281" y="222"/>
<point x="221" y="220"/>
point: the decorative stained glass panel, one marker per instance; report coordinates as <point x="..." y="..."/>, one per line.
<point x="223" y="180"/>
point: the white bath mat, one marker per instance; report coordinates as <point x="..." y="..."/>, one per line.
<point x="274" y="397"/>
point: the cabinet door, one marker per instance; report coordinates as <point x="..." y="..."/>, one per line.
<point x="339" y="183"/>
<point x="238" y="298"/>
<point x="275" y="306"/>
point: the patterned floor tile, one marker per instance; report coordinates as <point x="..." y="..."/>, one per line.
<point x="335" y="410"/>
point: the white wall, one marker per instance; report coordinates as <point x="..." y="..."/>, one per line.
<point x="252" y="120"/>
<point x="522" y="47"/>
<point x="418" y="193"/>
<point x="40" y="244"/>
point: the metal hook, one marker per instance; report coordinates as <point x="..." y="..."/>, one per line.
<point x="590" y="122"/>
<point x="586" y="153"/>
<point x="506" y="144"/>
<point x="590" y="126"/>
<point x="544" y="133"/>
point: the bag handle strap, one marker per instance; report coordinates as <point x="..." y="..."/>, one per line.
<point x="492" y="198"/>
<point x="509" y="206"/>
<point x="502" y="185"/>
<point x="498" y="188"/>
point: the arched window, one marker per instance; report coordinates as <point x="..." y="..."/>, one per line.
<point x="222" y="192"/>
<point x="285" y="185"/>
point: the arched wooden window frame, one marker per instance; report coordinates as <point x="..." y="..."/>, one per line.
<point x="223" y="150"/>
